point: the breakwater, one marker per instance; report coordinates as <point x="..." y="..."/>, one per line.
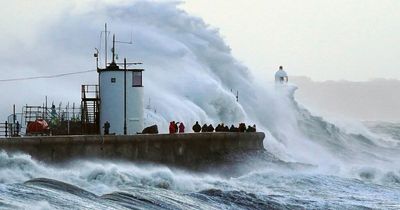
<point x="176" y="149"/>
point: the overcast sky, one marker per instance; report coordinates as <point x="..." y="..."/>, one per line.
<point x="322" y="39"/>
<point x="374" y="100"/>
<point x="353" y="40"/>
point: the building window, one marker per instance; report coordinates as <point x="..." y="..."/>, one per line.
<point x="137" y="79"/>
<point x="113" y="80"/>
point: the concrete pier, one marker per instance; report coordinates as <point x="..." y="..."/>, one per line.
<point x="176" y="149"/>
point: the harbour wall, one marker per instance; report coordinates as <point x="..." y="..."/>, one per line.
<point x="176" y="149"/>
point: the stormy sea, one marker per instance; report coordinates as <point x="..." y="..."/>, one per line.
<point x="191" y="75"/>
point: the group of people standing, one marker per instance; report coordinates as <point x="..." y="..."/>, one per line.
<point x="175" y="128"/>
<point x="223" y="128"/>
<point x="179" y="127"/>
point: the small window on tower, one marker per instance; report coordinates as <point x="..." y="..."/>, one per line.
<point x="137" y="79"/>
<point x="113" y="80"/>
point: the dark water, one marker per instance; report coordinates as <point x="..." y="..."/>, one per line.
<point x="362" y="174"/>
<point x="27" y="184"/>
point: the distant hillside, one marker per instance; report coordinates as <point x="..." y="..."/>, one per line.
<point x="377" y="99"/>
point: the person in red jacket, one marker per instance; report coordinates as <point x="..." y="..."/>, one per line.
<point x="172" y="128"/>
<point x="181" y="128"/>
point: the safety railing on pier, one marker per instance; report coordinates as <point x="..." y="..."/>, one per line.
<point x="10" y="129"/>
<point x="4" y="129"/>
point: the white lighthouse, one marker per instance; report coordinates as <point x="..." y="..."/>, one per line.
<point x="121" y="98"/>
<point x="281" y="76"/>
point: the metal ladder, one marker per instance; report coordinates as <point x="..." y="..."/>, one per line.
<point x="90" y="109"/>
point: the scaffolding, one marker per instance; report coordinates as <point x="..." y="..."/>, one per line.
<point x="67" y="119"/>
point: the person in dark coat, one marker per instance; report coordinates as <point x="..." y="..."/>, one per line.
<point x="204" y="128"/>
<point x="196" y="127"/>
<point x="218" y="128"/>
<point x="181" y="128"/>
<point x="210" y="128"/>
<point x="106" y="128"/>
<point x="242" y="127"/>
<point x="221" y="128"/>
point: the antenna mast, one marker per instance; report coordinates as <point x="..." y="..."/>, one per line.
<point x="113" y="49"/>
<point x="105" y="43"/>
